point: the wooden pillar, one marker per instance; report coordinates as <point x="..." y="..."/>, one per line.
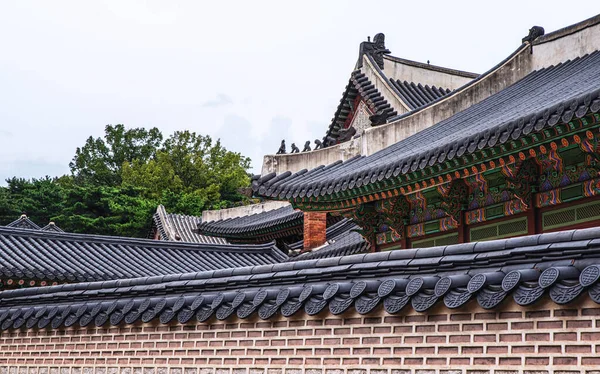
<point x="534" y="224"/>
<point x="315" y="226"/>
<point x="463" y="229"/>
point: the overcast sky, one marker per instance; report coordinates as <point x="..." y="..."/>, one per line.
<point x="248" y="72"/>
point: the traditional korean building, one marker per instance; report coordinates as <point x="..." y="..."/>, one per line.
<point x="283" y="226"/>
<point x="40" y="258"/>
<point x="24" y="222"/>
<point x="522" y="160"/>
<point x="480" y="207"/>
<point x="179" y="227"/>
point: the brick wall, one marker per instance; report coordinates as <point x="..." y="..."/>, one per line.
<point x="545" y="338"/>
<point x="315" y="227"/>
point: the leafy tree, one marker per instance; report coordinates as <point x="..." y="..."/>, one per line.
<point x="194" y="167"/>
<point x="100" y="160"/>
<point x="9" y="209"/>
<point x="41" y="199"/>
<point x="117" y="182"/>
<point x="107" y="210"/>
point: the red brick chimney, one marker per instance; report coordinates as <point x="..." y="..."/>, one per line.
<point x="315" y="225"/>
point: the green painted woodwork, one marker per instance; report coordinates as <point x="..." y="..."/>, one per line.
<point x="431" y="227"/>
<point x="436" y="241"/>
<point x="466" y="162"/>
<point x="499" y="230"/>
<point x="494" y="212"/>
<point x="570" y="216"/>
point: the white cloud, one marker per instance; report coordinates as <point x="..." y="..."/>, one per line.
<point x="218" y="101"/>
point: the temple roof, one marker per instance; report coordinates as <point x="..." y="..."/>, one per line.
<point x="359" y="85"/>
<point x="249" y="226"/>
<point x="24" y="222"/>
<point x="52" y="227"/>
<point x="559" y="265"/>
<point x="409" y="95"/>
<point x="179" y="227"/>
<point x="342" y="240"/>
<point x="48" y="255"/>
<point x="417" y="95"/>
<point x="537" y="102"/>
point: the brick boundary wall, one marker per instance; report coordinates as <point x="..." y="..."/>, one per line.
<point x="544" y="338"/>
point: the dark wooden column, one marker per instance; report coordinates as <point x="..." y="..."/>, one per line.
<point x="463" y="228"/>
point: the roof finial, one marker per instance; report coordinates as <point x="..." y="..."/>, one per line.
<point x="375" y="49"/>
<point x="534" y="33"/>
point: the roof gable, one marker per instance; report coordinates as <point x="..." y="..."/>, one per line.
<point x="52" y="227"/>
<point x="23" y="222"/>
<point x="181" y="228"/>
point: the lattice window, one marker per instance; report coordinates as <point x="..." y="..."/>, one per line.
<point x="571" y="216"/>
<point x="499" y="230"/>
<point x="437" y="241"/>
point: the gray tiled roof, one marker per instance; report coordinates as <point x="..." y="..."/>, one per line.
<point x="417" y="95"/>
<point x="250" y="224"/>
<point x="48" y="255"/>
<point x="24" y="222"/>
<point x="539" y="101"/>
<point x="561" y="266"/>
<point x="342" y="240"/>
<point x="180" y="227"/>
<point x="52" y="227"/>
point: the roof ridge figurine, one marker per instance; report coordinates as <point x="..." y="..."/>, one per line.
<point x="375" y="49"/>
<point x="281" y="150"/>
<point x="306" y="146"/>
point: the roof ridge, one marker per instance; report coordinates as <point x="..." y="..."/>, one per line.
<point x="567" y="30"/>
<point x="441" y="69"/>
<point x="178" y="245"/>
<point x="162" y="215"/>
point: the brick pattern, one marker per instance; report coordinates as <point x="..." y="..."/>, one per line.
<point x="545" y="338"/>
<point x="315" y="228"/>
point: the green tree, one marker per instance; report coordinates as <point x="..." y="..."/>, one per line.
<point x="100" y="160"/>
<point x="106" y="210"/>
<point x="194" y="168"/>
<point x="41" y="199"/>
<point x="117" y="182"/>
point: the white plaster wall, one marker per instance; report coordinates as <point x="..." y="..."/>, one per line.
<point x="399" y="71"/>
<point x="216" y="215"/>
<point x="568" y="47"/>
<point x="380" y="137"/>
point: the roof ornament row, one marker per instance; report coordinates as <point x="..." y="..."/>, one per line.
<point x="282" y="148"/>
